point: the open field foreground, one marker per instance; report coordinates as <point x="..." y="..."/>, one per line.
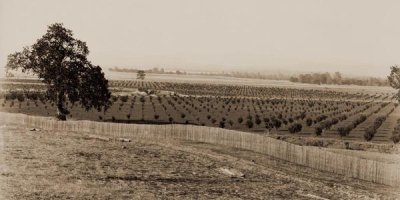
<point x="71" y="165"/>
<point x="370" y="169"/>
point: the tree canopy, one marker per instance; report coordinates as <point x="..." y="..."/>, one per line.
<point x="60" y="61"/>
<point x="394" y="79"/>
<point x="141" y="74"/>
<point x="336" y="78"/>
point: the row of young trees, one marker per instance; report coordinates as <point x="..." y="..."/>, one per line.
<point x="371" y="130"/>
<point x="155" y="70"/>
<point x="242" y="90"/>
<point x="396" y="133"/>
<point x="345" y="130"/>
<point x="338" y="79"/>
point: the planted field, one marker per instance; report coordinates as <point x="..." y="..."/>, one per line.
<point x="266" y="110"/>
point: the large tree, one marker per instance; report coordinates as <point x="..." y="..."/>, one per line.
<point x="60" y="61"/>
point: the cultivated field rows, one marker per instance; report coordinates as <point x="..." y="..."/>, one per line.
<point x="216" y="89"/>
<point x="387" y="126"/>
<point x="264" y="110"/>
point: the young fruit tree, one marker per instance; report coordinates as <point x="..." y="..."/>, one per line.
<point x="394" y="79"/>
<point x="60" y="61"/>
<point x="140" y="74"/>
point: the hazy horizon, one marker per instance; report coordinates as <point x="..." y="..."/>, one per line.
<point x="354" y="37"/>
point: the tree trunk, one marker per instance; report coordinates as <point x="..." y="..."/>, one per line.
<point x="61" y="114"/>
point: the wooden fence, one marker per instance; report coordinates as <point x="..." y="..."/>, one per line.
<point x="314" y="157"/>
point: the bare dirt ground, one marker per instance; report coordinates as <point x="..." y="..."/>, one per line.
<point x="66" y="165"/>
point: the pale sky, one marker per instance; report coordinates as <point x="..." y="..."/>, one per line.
<point x="352" y="36"/>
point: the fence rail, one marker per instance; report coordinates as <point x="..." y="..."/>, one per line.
<point x="314" y="157"/>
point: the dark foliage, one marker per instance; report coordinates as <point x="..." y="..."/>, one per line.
<point x="318" y="131"/>
<point x="60" y="61"/>
<point x="249" y="123"/>
<point x="294" y="128"/>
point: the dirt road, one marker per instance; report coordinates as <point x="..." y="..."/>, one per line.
<point x="64" y="165"/>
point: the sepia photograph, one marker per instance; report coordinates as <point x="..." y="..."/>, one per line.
<point x="200" y="99"/>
